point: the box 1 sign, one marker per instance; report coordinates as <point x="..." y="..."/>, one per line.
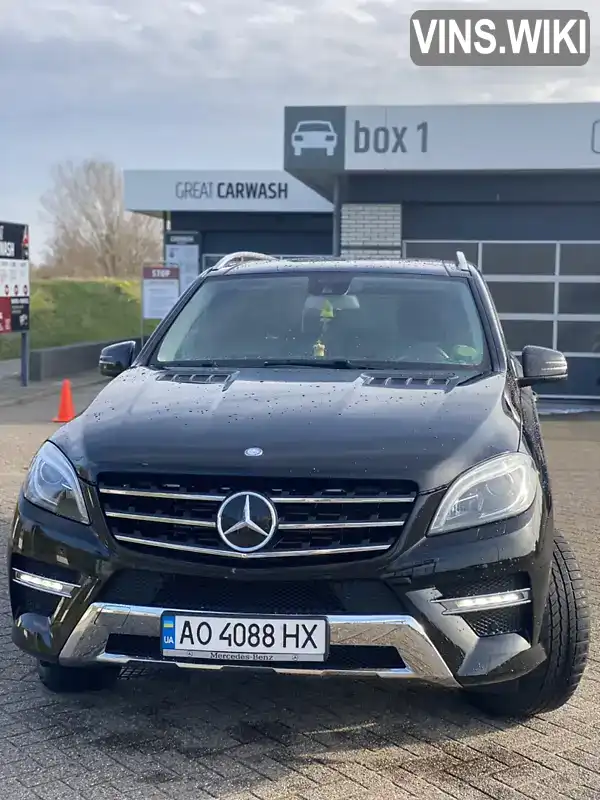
<point x="160" y="291"/>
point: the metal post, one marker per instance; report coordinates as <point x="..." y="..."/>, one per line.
<point x="337" y="217"/>
<point x="142" y="315"/>
<point x="165" y="227"/>
<point x="25" y="358"/>
<point x="200" y="252"/>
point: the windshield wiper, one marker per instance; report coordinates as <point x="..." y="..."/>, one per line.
<point x="326" y="363"/>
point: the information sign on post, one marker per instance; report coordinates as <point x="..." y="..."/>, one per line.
<point x="183" y="249"/>
<point x="14" y="287"/>
<point x="14" y="277"/>
<point x="160" y="291"/>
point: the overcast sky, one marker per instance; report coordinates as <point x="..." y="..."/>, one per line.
<point x="202" y="83"/>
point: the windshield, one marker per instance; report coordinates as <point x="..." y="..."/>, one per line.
<point x="310" y="127"/>
<point x="375" y="318"/>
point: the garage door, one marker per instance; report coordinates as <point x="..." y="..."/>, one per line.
<point x="546" y="293"/>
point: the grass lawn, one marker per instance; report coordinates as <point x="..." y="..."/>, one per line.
<point x="66" y="311"/>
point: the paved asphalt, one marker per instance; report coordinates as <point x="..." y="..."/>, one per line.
<point x="196" y="736"/>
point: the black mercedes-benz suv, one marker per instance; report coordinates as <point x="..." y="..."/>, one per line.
<point x="320" y="466"/>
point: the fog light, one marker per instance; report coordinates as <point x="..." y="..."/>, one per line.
<point x="483" y="602"/>
<point x="49" y="585"/>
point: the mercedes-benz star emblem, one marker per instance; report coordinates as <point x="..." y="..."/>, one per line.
<point x="253" y="451"/>
<point x="246" y="521"/>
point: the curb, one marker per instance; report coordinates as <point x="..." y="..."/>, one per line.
<point x="46" y="391"/>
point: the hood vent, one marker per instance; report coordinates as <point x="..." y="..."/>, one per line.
<point x="412" y="381"/>
<point x="196" y="377"/>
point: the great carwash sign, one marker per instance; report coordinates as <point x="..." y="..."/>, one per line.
<point x="232" y="190"/>
<point x="220" y="190"/>
<point x="485" y="137"/>
<point x="14" y="277"/>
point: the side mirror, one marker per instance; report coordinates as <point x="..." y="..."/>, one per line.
<point x="116" y="358"/>
<point x="542" y="365"/>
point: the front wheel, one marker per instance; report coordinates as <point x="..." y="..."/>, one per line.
<point x="565" y="637"/>
<point x="61" y="679"/>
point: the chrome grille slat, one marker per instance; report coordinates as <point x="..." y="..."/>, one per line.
<point x="165" y="495"/>
<point x="195" y="523"/>
<point x="324" y="500"/>
<point x="218" y="498"/>
<point x="284" y="526"/>
<point x="317" y="516"/>
<point x="232" y="554"/>
<point x="323" y="526"/>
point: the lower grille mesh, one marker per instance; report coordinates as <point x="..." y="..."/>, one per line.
<point x="174" y="591"/>
<point x="483" y="585"/>
<point x="499" y="621"/>
<point x="492" y="622"/>
<point x="31" y="601"/>
<point x="341" y="657"/>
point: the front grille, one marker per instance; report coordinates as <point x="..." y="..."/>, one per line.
<point x="193" y="593"/>
<point x="341" y="657"/>
<point x="177" y="515"/>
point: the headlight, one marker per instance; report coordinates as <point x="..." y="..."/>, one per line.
<point x="500" y="488"/>
<point x="52" y="483"/>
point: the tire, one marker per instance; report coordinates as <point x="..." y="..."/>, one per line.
<point x="70" y="680"/>
<point x="565" y="635"/>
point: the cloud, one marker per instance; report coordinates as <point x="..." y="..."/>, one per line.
<point x="270" y="51"/>
<point x="203" y="83"/>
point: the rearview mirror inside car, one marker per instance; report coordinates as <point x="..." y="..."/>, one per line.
<point x="542" y="365"/>
<point x="116" y="358"/>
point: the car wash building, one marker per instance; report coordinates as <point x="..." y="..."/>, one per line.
<point x="515" y="187"/>
<point x="208" y="214"/>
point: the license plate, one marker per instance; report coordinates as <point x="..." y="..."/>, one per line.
<point x="239" y="638"/>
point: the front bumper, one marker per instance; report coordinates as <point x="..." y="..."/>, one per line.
<point x="404" y="632"/>
<point x="89" y="643"/>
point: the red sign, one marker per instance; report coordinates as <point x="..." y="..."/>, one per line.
<point x="161" y="273"/>
<point x="5" y="315"/>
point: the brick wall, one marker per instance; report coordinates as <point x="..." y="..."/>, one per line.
<point x="371" y="230"/>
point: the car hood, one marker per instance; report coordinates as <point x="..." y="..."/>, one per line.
<point x="308" y="422"/>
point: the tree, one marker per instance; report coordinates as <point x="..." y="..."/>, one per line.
<point x="92" y="235"/>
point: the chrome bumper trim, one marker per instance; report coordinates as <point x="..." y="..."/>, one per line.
<point x="88" y="641"/>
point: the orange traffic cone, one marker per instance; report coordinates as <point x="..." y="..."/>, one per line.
<point x="66" y="409"/>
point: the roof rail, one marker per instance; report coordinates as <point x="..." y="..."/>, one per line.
<point x="240" y="256"/>
<point x="461" y="260"/>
